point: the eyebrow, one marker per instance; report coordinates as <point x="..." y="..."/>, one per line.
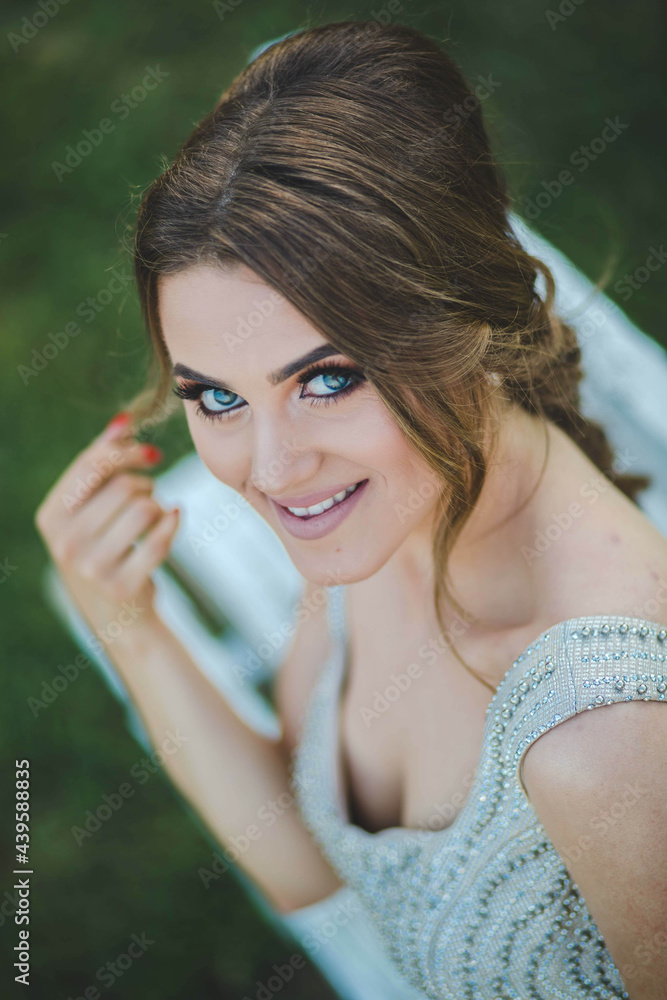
<point x="274" y="378"/>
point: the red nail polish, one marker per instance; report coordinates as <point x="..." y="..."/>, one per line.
<point x="151" y="453"/>
<point x="116" y="425"/>
<point x="120" y="419"/>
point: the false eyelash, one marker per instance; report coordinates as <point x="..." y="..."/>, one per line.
<point x="193" y="390"/>
<point x="355" y="375"/>
<point x="189" y="390"/>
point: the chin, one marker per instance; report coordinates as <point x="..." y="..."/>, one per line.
<point x="337" y="562"/>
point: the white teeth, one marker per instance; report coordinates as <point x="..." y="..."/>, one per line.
<point x="323" y="504"/>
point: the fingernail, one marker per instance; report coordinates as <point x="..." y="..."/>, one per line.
<point x="121" y="420"/>
<point x="151" y="453"/>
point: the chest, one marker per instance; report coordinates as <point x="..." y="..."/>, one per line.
<point x="411" y="717"/>
<point x="410" y="733"/>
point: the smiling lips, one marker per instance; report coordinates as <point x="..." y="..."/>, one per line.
<point x="318" y="519"/>
<point x="324" y="504"/>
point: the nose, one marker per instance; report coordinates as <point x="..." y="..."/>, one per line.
<point x="281" y="459"/>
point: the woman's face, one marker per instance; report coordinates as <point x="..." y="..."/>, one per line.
<point x="289" y="423"/>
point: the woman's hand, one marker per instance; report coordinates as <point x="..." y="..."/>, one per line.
<point x="92" y="521"/>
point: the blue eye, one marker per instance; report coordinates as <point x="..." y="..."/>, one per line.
<point x="219" y="400"/>
<point x="216" y="404"/>
<point x="327" y="378"/>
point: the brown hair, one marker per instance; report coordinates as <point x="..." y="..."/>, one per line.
<point x="334" y="167"/>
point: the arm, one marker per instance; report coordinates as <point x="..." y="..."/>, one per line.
<point x="232" y="776"/>
<point x="598" y="784"/>
<point x="107" y="534"/>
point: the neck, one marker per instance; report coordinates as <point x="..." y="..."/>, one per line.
<point x="488" y="574"/>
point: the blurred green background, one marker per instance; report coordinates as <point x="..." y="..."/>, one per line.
<point x="561" y="71"/>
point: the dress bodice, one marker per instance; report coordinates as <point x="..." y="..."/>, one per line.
<point x="483" y="909"/>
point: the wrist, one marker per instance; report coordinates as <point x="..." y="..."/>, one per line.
<point x="135" y="628"/>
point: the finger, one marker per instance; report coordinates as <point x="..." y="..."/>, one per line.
<point x="108" y="550"/>
<point x="80" y="532"/>
<point x="103" y="465"/>
<point x="115" y="431"/>
<point x="112" y="451"/>
<point x="148" y="553"/>
<point x="98" y="513"/>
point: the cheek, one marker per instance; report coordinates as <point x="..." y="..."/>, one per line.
<point x="411" y="486"/>
<point x="378" y="443"/>
<point x="225" y="459"/>
<point x="397" y="460"/>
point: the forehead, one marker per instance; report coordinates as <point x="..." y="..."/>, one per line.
<point x="233" y="312"/>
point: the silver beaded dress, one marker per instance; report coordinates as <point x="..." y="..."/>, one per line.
<point x="483" y="909"/>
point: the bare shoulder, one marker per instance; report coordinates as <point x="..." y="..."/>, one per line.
<point x="608" y="558"/>
<point x="595" y="550"/>
<point x="618" y="567"/>
<point x="598" y="785"/>
<point x="296" y="676"/>
<point x="594" y="746"/>
<point x="597" y="781"/>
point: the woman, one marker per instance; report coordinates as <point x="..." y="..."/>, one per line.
<point x="331" y="285"/>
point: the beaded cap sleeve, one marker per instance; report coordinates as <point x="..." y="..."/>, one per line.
<point x="485" y="908"/>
